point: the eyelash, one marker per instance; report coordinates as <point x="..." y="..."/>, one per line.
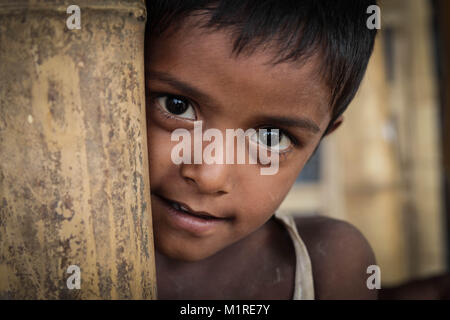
<point x="295" y="142"/>
<point x="166" y="114"/>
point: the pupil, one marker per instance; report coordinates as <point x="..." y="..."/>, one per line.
<point x="176" y="106"/>
<point x="270" y="137"/>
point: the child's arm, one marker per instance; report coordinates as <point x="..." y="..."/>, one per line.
<point x="340" y="256"/>
<point x="431" y="288"/>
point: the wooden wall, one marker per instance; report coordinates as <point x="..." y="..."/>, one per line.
<point x="382" y="170"/>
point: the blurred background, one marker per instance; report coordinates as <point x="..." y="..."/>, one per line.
<point x="387" y="169"/>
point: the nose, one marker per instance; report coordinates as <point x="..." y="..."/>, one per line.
<point x="208" y="178"/>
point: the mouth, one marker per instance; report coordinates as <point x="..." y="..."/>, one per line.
<point x="182" y="216"/>
<point x="183" y="208"/>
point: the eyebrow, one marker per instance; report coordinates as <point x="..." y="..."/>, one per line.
<point x="302" y="123"/>
<point x="181" y="86"/>
<point x="299" y="122"/>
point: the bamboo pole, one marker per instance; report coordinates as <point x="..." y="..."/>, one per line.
<point x="74" y="185"/>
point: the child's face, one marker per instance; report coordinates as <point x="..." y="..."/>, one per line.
<point x="225" y="93"/>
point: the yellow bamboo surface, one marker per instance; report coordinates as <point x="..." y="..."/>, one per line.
<point x="74" y="185"/>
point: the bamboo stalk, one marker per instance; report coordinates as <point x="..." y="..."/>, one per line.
<point x="74" y="184"/>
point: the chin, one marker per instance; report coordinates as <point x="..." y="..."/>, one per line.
<point x="184" y="255"/>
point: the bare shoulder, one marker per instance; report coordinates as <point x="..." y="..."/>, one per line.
<point x="339" y="256"/>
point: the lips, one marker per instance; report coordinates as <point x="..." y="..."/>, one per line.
<point x="180" y="216"/>
<point x="180" y="206"/>
<point x="183" y="208"/>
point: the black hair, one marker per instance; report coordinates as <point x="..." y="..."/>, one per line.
<point x="297" y="29"/>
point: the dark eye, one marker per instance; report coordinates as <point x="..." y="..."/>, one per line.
<point x="272" y="138"/>
<point x="177" y="106"/>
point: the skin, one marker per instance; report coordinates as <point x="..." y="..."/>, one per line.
<point x="249" y="247"/>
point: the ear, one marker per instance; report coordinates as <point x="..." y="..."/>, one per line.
<point x="337" y="123"/>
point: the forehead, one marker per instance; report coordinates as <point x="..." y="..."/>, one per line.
<point x="248" y="82"/>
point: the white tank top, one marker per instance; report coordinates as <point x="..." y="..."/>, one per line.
<point x="304" y="287"/>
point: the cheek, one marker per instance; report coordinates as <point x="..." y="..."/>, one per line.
<point x="275" y="190"/>
<point x="159" y="150"/>
<point x="260" y="196"/>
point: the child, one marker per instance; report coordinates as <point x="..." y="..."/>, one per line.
<point x="291" y="67"/>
